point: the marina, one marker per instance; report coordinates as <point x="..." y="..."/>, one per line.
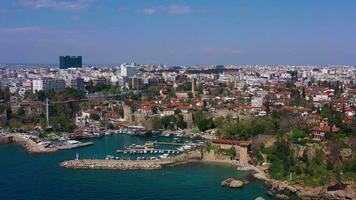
<point x="90" y="185"/>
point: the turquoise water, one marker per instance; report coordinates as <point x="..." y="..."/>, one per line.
<point x="38" y="176"/>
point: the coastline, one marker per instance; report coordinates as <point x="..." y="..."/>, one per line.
<point x="28" y="144"/>
<point x="284" y="189"/>
<point x="33" y="147"/>
<point x="279" y="189"/>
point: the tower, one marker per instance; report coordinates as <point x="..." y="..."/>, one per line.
<point x="47" y="113"/>
<point x="193" y="86"/>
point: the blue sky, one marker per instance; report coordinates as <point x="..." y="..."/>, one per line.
<point x="179" y="32"/>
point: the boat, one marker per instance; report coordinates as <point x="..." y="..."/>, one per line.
<point x="163" y="156"/>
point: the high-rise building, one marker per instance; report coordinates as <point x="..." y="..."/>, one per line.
<point x="128" y="70"/>
<point x="66" y="62"/>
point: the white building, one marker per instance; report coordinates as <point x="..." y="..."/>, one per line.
<point x="48" y="84"/>
<point x="128" y="70"/>
<point x="257" y="101"/>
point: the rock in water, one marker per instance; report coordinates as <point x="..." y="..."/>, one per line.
<point x="260" y="198"/>
<point x="281" y="196"/>
<point x="226" y="182"/>
<point x="233" y="183"/>
<point x="236" y="184"/>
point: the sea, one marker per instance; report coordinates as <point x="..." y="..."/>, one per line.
<point x="38" y="176"/>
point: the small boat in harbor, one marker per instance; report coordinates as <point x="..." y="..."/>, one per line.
<point x="164" y="156"/>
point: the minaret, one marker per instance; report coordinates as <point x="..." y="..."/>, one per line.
<point x="174" y="84"/>
<point x="193" y="86"/>
<point x="47" y="113"/>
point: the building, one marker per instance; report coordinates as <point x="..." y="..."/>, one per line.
<point x="320" y="131"/>
<point x="76" y="83"/>
<point x="45" y="84"/>
<point x="257" y="101"/>
<point x="99" y="81"/>
<point x="66" y="62"/>
<point x="241" y="147"/>
<point x="128" y="70"/>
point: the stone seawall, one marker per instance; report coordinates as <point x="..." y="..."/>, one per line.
<point x="28" y="144"/>
<point x="6" y="139"/>
<point x="132" y="164"/>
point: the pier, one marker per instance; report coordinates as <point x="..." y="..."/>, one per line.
<point x="151" y="151"/>
<point x="74" y="146"/>
<point x="132" y="164"/>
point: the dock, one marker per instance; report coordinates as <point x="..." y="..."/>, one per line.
<point x="151" y="151"/>
<point x="75" y="146"/>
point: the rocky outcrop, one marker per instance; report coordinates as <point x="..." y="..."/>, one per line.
<point x="6" y="139"/>
<point x="232" y="183"/>
<point x="345" y="154"/>
<point x="260" y="198"/>
<point x="263" y="140"/>
<point x="281" y="189"/>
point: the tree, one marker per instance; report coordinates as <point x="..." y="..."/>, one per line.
<point x="202" y="122"/>
<point x="177" y="111"/>
<point x="95" y="117"/>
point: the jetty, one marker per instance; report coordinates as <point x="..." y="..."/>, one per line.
<point x="132" y="164"/>
<point x="74" y="146"/>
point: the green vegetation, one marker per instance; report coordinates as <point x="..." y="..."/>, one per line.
<point x="95" y="117"/>
<point x="313" y="168"/>
<point x="103" y="88"/>
<point x="173" y="122"/>
<point x="229" y="128"/>
<point x="66" y="94"/>
<point x="202" y="122"/>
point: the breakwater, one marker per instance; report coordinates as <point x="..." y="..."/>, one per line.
<point x="132" y="164"/>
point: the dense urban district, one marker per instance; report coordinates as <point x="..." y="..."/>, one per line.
<point x="294" y="125"/>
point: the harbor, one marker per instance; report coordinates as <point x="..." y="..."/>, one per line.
<point x="110" y="174"/>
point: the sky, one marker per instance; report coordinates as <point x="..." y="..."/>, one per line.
<point x="184" y="32"/>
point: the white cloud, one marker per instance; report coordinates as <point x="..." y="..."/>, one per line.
<point x="170" y="9"/>
<point x="56" y="4"/>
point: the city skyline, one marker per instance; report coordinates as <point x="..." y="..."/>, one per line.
<point x="178" y="32"/>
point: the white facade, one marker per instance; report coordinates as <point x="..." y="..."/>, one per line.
<point x="128" y="70"/>
<point x="257" y="101"/>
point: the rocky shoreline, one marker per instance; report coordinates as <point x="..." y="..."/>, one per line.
<point x="28" y="144"/>
<point x="284" y="189"/>
<point x="131" y="164"/>
<point x="33" y="147"/>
